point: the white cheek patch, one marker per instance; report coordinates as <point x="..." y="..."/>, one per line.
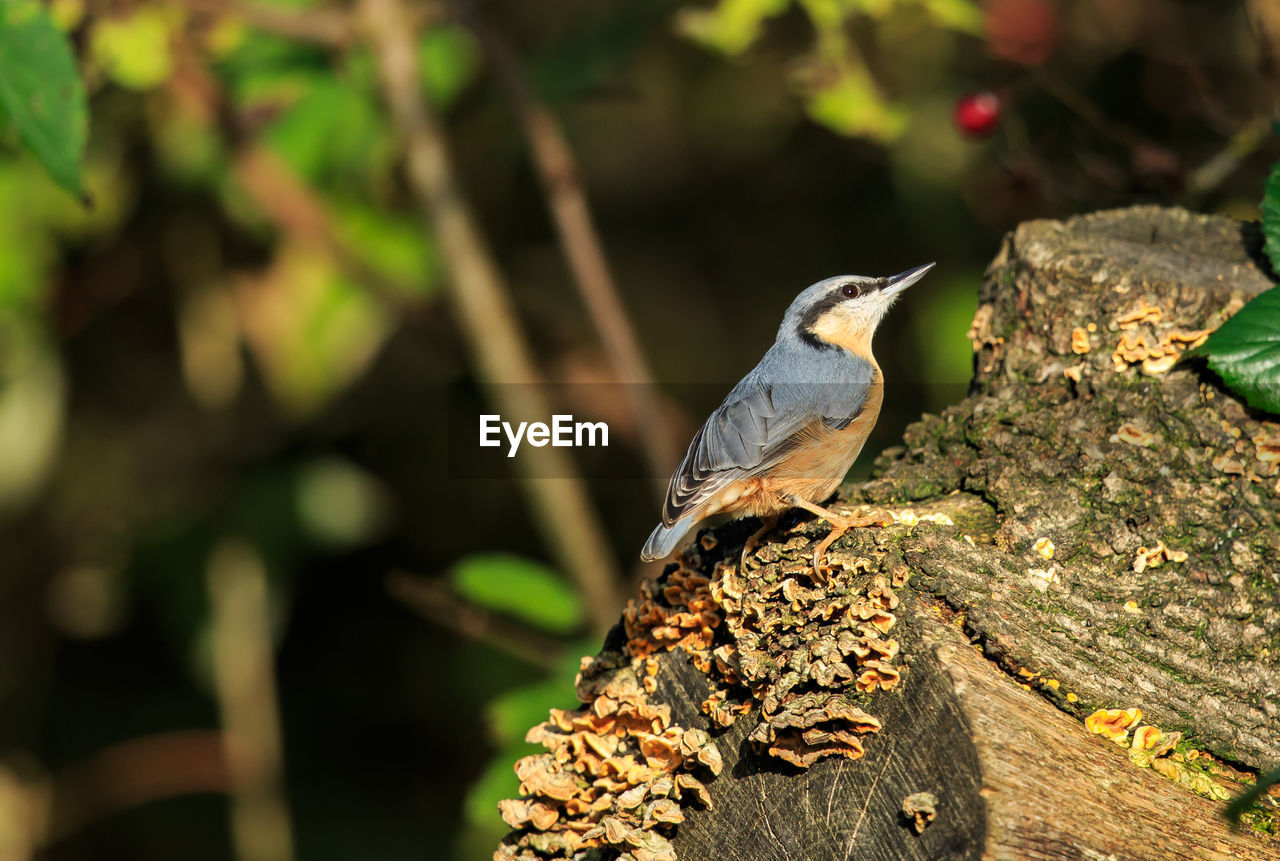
<point x="848" y="327"/>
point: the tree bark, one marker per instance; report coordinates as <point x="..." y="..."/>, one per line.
<point x="1093" y="527"/>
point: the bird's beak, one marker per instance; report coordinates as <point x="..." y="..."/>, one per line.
<point x="903" y="280"/>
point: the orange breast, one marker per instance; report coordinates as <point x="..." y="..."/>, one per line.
<point x="813" y="470"/>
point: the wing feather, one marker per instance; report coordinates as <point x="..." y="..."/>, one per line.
<point x="757" y="425"/>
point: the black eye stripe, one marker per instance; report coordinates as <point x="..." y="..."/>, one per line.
<point x="854" y="289"/>
<point x="811" y="317"/>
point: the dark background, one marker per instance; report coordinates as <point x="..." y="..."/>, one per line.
<point x="189" y="384"/>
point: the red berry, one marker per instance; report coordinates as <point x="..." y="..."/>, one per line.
<point x="977" y="114"/>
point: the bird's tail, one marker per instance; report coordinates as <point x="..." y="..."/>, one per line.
<point x="664" y="539"/>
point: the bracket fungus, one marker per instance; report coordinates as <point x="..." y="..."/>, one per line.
<point x="920" y="808"/>
<point x="1154" y="557"/>
<point x="1157" y="349"/>
<point x="616" y="775"/>
<point x="1113" y="723"/>
<point x="1143" y="312"/>
<point x="619" y="773"/>
<point x="1162" y="752"/>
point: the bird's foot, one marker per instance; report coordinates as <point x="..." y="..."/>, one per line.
<point x="840" y="524"/>
<point x="754" y="540"/>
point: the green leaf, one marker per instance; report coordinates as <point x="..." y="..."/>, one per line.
<point x="520" y="588"/>
<point x="312" y="330"/>
<point x="496" y="782"/>
<point x="839" y="90"/>
<point x="1271" y="212"/>
<point x="961" y="15"/>
<point x="394" y="246"/>
<point x="730" y="27"/>
<point x="509" y="717"/>
<point x="262" y="68"/>
<point x="135" y="50"/>
<point x="41" y="93"/>
<point x="331" y="131"/>
<point x="1245" y="351"/>
<point x="848" y="102"/>
<point x="449" y="58"/>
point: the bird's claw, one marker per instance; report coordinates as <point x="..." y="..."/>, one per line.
<point x="753" y="541"/>
<point x="840" y="524"/>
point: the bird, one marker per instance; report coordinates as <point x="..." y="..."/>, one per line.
<point x="787" y="433"/>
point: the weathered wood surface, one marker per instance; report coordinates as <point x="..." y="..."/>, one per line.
<point x="1015" y="778"/>
<point x="1203" y="654"/>
<point x="841" y="809"/>
<point x="1003" y="649"/>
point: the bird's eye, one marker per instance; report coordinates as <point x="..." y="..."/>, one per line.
<point x="850" y="291"/>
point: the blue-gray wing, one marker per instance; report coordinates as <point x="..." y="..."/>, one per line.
<point x="757" y="425"/>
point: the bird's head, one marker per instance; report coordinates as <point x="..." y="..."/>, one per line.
<point x="843" y="312"/>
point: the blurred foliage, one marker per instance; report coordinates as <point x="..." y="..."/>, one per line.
<point x="340" y="504"/>
<point x="241" y="342"/>
<point x="524" y="589"/>
<point x="508" y="717"/>
<point x="312" y="328"/>
<point x="449" y="59"/>
<point x="834" y="78"/>
<point x="941" y="325"/>
<point x="30" y="411"/>
<point x="133" y="51"/>
<point x="41" y="94"/>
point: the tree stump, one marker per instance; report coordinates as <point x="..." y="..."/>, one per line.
<point x="1093" y="527"/>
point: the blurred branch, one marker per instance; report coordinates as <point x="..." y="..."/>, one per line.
<point x="285" y="200"/>
<point x="244" y="677"/>
<point x="580" y="241"/>
<point x="297" y="210"/>
<point x="1079" y="104"/>
<point x="325" y="26"/>
<point x="329" y="27"/>
<point x="484" y="310"/>
<point x="1217" y="169"/>
<point x="292" y="207"/>
<point x="133" y="773"/>
<point x="436" y="603"/>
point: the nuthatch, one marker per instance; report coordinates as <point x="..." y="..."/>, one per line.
<point x="791" y="428"/>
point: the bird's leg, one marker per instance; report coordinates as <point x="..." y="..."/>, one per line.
<point x="770" y="521"/>
<point x="840" y="524"/>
